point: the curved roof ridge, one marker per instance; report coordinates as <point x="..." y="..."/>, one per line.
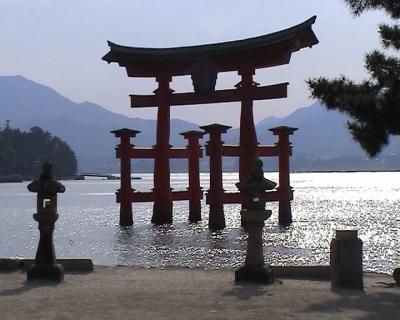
<point x="248" y="43"/>
<point x="261" y="51"/>
<point x="278" y="35"/>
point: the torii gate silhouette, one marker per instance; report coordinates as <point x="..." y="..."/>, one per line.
<point x="203" y="63"/>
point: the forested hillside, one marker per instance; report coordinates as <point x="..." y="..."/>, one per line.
<point x="23" y="152"/>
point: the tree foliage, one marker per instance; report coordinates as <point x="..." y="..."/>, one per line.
<point x="374" y="104"/>
<point x="23" y="153"/>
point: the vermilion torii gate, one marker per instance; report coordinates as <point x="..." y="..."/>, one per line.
<point x="203" y="63"/>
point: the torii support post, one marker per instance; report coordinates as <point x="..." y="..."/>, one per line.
<point x="195" y="191"/>
<point x="162" y="208"/>
<point x="216" y="220"/>
<point x="284" y="151"/>
<point x="124" y="193"/>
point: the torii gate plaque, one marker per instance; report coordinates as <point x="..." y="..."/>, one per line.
<point x="203" y="63"/>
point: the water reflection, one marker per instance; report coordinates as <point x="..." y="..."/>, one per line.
<point x="323" y="202"/>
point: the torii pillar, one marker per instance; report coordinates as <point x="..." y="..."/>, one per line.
<point x="248" y="137"/>
<point x="162" y="208"/>
<point x="284" y="151"/>
<point x="195" y="191"/>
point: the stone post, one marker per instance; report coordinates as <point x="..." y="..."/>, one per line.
<point x="396" y="276"/>
<point x="254" y="216"/>
<point x="346" y="260"/>
<point x="45" y="266"/>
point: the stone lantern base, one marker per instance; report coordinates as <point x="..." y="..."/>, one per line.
<point x="45" y="267"/>
<point x="255" y="269"/>
<point x="43" y="272"/>
<point x="263" y="275"/>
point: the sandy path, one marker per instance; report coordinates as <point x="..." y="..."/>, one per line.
<point x="131" y="293"/>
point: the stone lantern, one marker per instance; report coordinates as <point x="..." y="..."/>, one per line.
<point x="46" y="187"/>
<point x="253" y="217"/>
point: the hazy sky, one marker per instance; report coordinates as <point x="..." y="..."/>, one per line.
<point x="60" y="43"/>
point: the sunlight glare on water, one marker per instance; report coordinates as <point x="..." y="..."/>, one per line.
<point x="323" y="202"/>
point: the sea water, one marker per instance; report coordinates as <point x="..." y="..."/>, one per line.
<point x="323" y="202"/>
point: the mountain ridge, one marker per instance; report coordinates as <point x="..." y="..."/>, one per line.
<point x="86" y="127"/>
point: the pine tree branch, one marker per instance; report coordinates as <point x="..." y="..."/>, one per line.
<point x="392" y="7"/>
<point x="390" y="36"/>
<point x="362" y="103"/>
<point x="342" y="94"/>
<point x="383" y="69"/>
<point x="371" y="136"/>
<point x="373" y="105"/>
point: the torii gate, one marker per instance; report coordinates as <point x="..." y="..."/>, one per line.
<point x="203" y="63"/>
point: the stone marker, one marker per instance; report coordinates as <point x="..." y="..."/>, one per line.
<point x="46" y="187"/>
<point x="346" y="260"/>
<point x="396" y="276"/>
<point x="254" y="216"/>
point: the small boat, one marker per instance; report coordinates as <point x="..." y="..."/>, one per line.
<point x="111" y="177"/>
<point x="11" y="178"/>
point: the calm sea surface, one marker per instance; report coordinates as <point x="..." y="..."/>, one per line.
<point x="88" y="224"/>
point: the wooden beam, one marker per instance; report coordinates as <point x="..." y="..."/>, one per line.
<point x="148" y="196"/>
<point x="149" y="153"/>
<point x="230" y="150"/>
<point x="230" y="95"/>
<point x="178" y="153"/>
<point x="236" y="197"/>
<point x="267" y="151"/>
<point x="142" y="153"/>
<point x="262" y="150"/>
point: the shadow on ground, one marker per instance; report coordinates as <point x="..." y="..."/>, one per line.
<point x="27" y="286"/>
<point x="382" y="305"/>
<point x="248" y="291"/>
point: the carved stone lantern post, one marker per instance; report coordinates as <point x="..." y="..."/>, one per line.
<point x="46" y="187"/>
<point x="254" y="216"/>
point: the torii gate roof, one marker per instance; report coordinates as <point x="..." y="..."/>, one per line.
<point x="259" y="52"/>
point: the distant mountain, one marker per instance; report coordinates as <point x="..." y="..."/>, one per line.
<point x="321" y="143"/>
<point x="321" y="133"/>
<point x="84" y="126"/>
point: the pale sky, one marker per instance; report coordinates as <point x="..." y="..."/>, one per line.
<point x="60" y="43"/>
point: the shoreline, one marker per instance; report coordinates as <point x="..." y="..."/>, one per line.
<point x="309" y="272"/>
<point x="178" y="293"/>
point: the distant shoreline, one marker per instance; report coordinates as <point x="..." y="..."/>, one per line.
<point x="18" y="178"/>
<point x="297" y="171"/>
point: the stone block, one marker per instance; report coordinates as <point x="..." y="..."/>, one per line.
<point x="346" y="260"/>
<point x="396" y="276"/>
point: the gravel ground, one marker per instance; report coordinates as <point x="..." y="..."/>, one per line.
<point x="134" y="293"/>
